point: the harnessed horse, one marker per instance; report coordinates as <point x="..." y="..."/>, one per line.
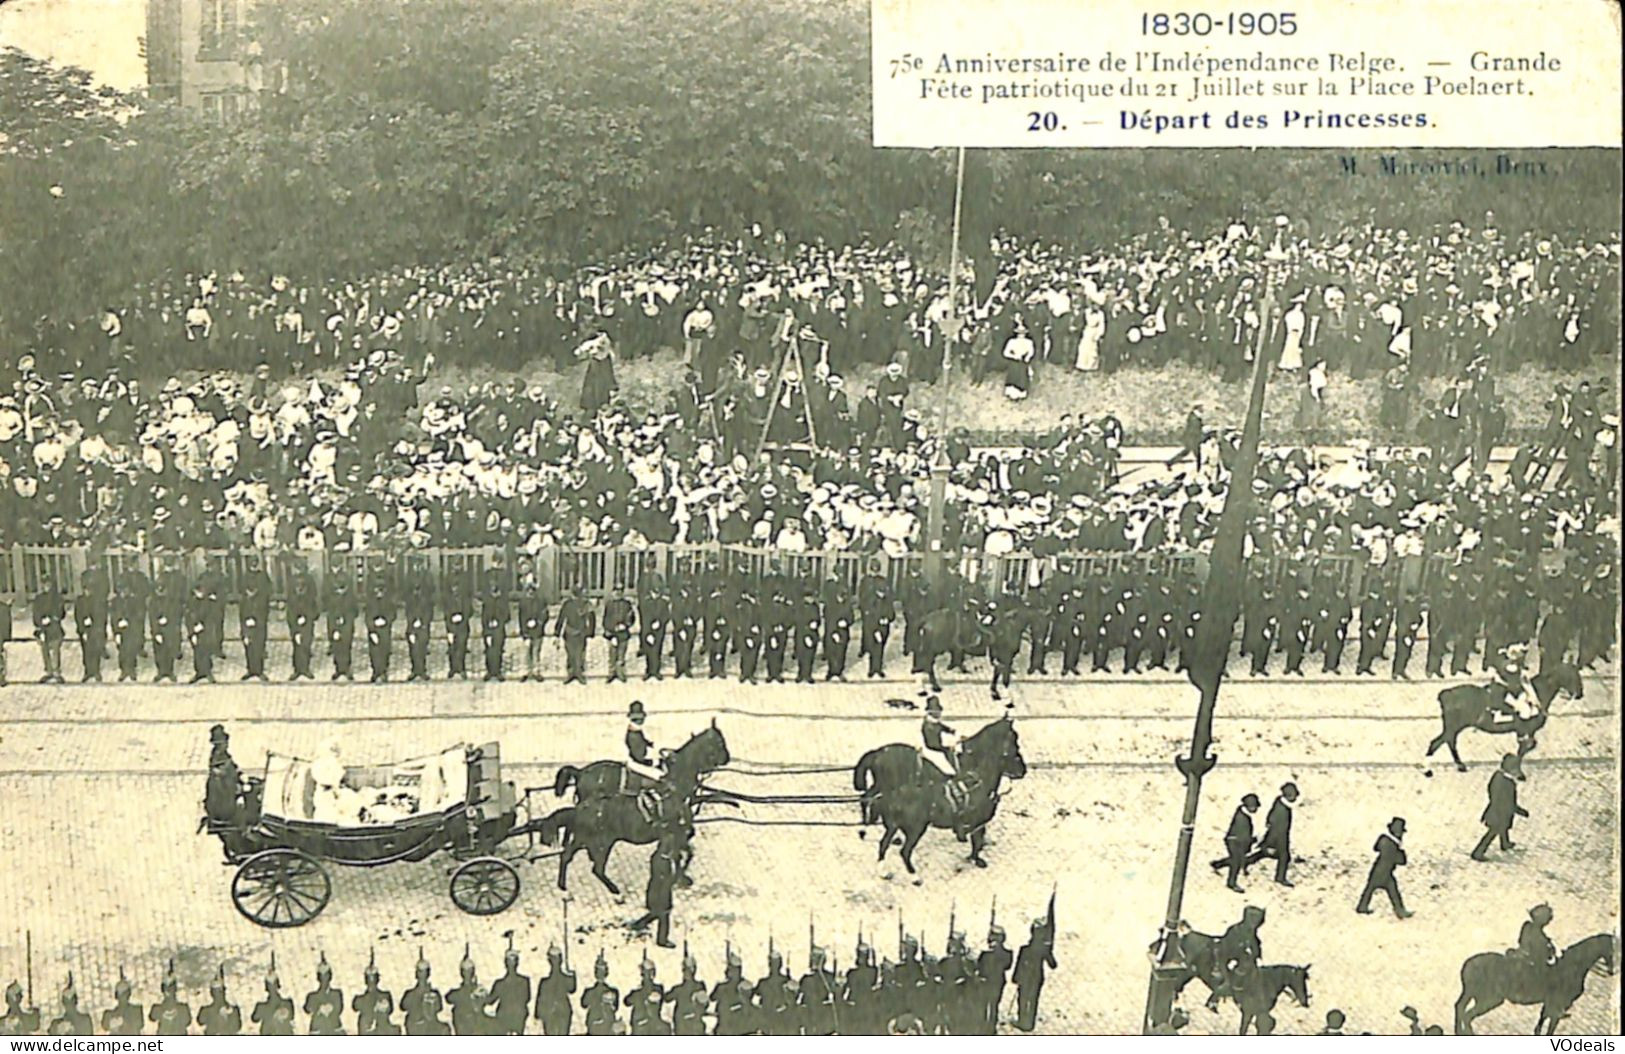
<point x="904" y="792"/>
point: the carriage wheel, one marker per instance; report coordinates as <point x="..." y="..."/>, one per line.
<point x="280" y="888"/>
<point x="485" y="886"/>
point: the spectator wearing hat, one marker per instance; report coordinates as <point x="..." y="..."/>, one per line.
<point x="1277" y="840"/>
<point x="1503" y="808"/>
<point x="1390" y="856"/>
<point x="1238" y="842"/>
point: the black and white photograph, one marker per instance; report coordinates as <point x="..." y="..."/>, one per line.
<point x="526" y="517"/>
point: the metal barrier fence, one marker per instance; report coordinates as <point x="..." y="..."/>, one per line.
<point x="600" y="572"/>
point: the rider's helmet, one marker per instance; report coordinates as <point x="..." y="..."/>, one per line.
<point x="933" y="706"/>
<point x="1541" y="914"/>
<point x="600" y="969"/>
<point x="324" y="970"/>
<point x="121" y="991"/>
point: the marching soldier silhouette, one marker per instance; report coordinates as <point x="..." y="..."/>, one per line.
<point x="324" y="1005"/>
<point x="170" y="1015"/>
<point x="1035" y="955"/>
<point x="421" y="1005"/>
<point x="253" y="620"/>
<point x="18" y="1020"/>
<point x="73" y="1021"/>
<point x="731" y="999"/>
<point x="123" y="1018"/>
<point x="467" y="1000"/>
<point x="688" y="999"/>
<point x="645" y="1003"/>
<point x="993" y="967"/>
<point x="859" y="1005"/>
<point x="510" y="995"/>
<point x="816" y="996"/>
<point x="373" y="1006"/>
<point x="601" y="1002"/>
<point x="774" y="999"/>
<point x="274" y="1013"/>
<point x="553" y="1006"/>
<point x="219" y="1016"/>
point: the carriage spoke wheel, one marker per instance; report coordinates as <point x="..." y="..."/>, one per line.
<point x="280" y="888"/>
<point x="485" y="886"/>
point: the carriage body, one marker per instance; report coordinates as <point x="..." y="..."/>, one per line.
<point x="287" y="829"/>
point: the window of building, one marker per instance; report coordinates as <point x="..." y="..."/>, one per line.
<point x="217" y="35"/>
<point x="221" y="107"/>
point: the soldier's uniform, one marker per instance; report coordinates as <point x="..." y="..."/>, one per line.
<point x="575" y="626"/>
<point x="164" y="614"/>
<point x="877" y="606"/>
<point x="1071" y="625"/>
<point x="815" y="998"/>
<point x="342" y="611"/>
<point x="254" y="620"/>
<point x="911" y="981"/>
<point x="419" y="631"/>
<point x="495" y="610"/>
<point x="457" y="611"/>
<point x="748" y="633"/>
<point x="774" y="1000"/>
<point x="532" y="612"/>
<point x="510" y="996"/>
<point x="301" y="615"/>
<point x="18" y="1020"/>
<point x="657" y="897"/>
<point x="467" y="1000"/>
<point x="1332" y="628"/>
<point x="1298" y="627"/>
<point x="618" y="621"/>
<point x="1408" y="616"/>
<point x="1263" y="627"/>
<point x="644" y="1003"/>
<point x="688" y="1002"/>
<point x="50" y="611"/>
<point x="859" y="1003"/>
<point x="837" y="622"/>
<point x="731" y="1000"/>
<point x="992" y="967"/>
<point x="381" y="609"/>
<point x="1035" y="955"/>
<point x="90" y="618"/>
<point x="719" y="629"/>
<point x="553" y="1006"/>
<point x="421" y="1005"/>
<point x="686" y="616"/>
<point x="72" y="1021"/>
<point x="601" y="1003"/>
<point x="374" y="1006"/>
<point x="274" y="1013"/>
<point x="219" y="1016"/>
<point x="324" y="1004"/>
<point x="170" y="1016"/>
<point x="806" y="631"/>
<point x="654" y="611"/>
<point x="1376" y="620"/>
<point x="129" y="618"/>
<point x="778" y="617"/>
<point x="124" y="1018"/>
<point x="915" y="602"/>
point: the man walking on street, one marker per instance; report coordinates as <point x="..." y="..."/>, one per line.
<point x="1390" y="855"/>
<point x="1503" y="807"/>
<point x="1238" y="842"/>
<point x="1277" y="840"/>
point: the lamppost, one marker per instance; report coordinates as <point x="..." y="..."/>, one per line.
<point x="1220" y="605"/>
<point x="941" y="464"/>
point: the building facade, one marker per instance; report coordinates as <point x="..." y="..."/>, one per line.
<point x="197" y="56"/>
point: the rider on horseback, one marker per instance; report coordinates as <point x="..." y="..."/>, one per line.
<point x="939" y="736"/>
<point x="640" y="749"/>
<point x="1535" y="952"/>
<point x="1515" y="702"/>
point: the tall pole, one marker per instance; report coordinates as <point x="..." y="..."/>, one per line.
<point x="1220" y="605"/>
<point x="940" y="464"/>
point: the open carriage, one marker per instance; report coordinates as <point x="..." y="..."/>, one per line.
<point x="282" y="832"/>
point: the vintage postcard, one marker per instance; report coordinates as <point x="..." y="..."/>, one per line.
<point x="809" y="518"/>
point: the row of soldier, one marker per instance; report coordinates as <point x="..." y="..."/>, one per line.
<point x="960" y="993"/>
<point x="780" y="626"/>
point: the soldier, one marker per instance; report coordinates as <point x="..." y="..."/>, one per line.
<point x="1503" y="808"/>
<point x="749" y="631"/>
<point x="645" y="1002"/>
<point x="74" y="1021"/>
<point x="219" y="1016"/>
<point x="731" y="999"/>
<point x="341" y="616"/>
<point x="877" y="606"/>
<point x="495" y="610"/>
<point x="575" y="626"/>
<point x="992" y="967"/>
<point x="837" y="624"/>
<point x="774" y="999"/>
<point x="688" y="1000"/>
<point x="654" y="611"/>
<point x="532" y="611"/>
<point x="657" y="897"/>
<point x="129" y="617"/>
<point x="1376" y="622"/>
<point x="619" y="620"/>
<point x="719" y="629"/>
<point x="914" y="601"/>
<point x="601" y="1002"/>
<point x="961" y="995"/>
<point x="50" y="612"/>
<point x="686" y="614"/>
<point x="777" y="618"/>
<point x="1441" y="609"/>
<point x="1263" y="628"/>
<point x="1332" y="630"/>
<point x="457" y="611"/>
<point x="381" y="610"/>
<point x="1035" y="955"/>
<point x="254" y="620"/>
<point x="90" y="618"/>
<point x="124" y="1018"/>
<point x="274" y="1013"/>
<point x="419" y="631"/>
<point x="1408" y="615"/>
<point x="18" y="1021"/>
<point x="166" y="617"/>
<point x="324" y="1005"/>
<point x="421" y="1005"/>
<point x="859" y="1004"/>
<point x="467" y="1000"/>
<point x="170" y="1015"/>
<point x="373" y="1006"/>
<point x="1390" y="855"/>
<point x="805" y="631"/>
<point x="510" y="995"/>
<point x="1299" y="628"/>
<point x="553" y="1007"/>
<point x="301" y="615"/>
<point x="1072" y="623"/>
<point x="815" y="997"/>
<point x="204" y="624"/>
<point x="911" y="979"/>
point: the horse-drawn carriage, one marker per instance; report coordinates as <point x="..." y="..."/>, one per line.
<point x="284" y="830"/>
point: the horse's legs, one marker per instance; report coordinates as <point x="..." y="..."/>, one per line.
<point x="885" y="840"/>
<point x="995" y="685"/>
<point x="1246" y="1019"/>
<point x="931" y="671"/>
<point x="566" y="855"/>
<point x="1438" y="741"/>
<point x="600" y="860"/>
<point x="1461" y="766"/>
<point x="910" y="840"/>
<point x="978" y="839"/>
<point x="1266" y="1023"/>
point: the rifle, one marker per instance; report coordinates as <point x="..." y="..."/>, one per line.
<point x="953" y="910"/>
<point x="566" y="901"/>
<point x="29" y="938"/>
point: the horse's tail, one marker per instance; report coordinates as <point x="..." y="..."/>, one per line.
<point x="556" y="822"/>
<point x="567" y="776"/>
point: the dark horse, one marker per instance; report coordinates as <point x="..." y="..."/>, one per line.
<point x="949" y="631"/>
<point x="610" y="806"/>
<point x="1465" y="706"/>
<point x="904" y="792"/>
<point x="1491" y="978"/>
<point x="1260" y="994"/>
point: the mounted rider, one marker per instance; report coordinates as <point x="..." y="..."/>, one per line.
<point x="1515" y="701"/>
<point x="640" y="749"/>
<point x="1535" y="953"/>
<point x="938" y="736"/>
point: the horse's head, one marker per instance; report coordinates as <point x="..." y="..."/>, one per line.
<point x="1597" y="950"/>
<point x="704" y="752"/>
<point x="1297" y="983"/>
<point x="997" y="749"/>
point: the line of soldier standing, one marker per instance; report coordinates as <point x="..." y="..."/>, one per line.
<point x="957" y="994"/>
<point x="777" y="626"/>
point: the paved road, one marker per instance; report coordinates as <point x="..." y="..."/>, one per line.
<point x="102" y="790"/>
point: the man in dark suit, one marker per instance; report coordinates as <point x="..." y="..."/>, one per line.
<point x="1277" y="840"/>
<point x="1390" y="855"/>
<point x="1238" y="842"/>
<point x="1503" y="807"/>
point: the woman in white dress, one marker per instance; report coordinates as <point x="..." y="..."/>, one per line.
<point x="1293" y="324"/>
<point x="1094" y="330"/>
